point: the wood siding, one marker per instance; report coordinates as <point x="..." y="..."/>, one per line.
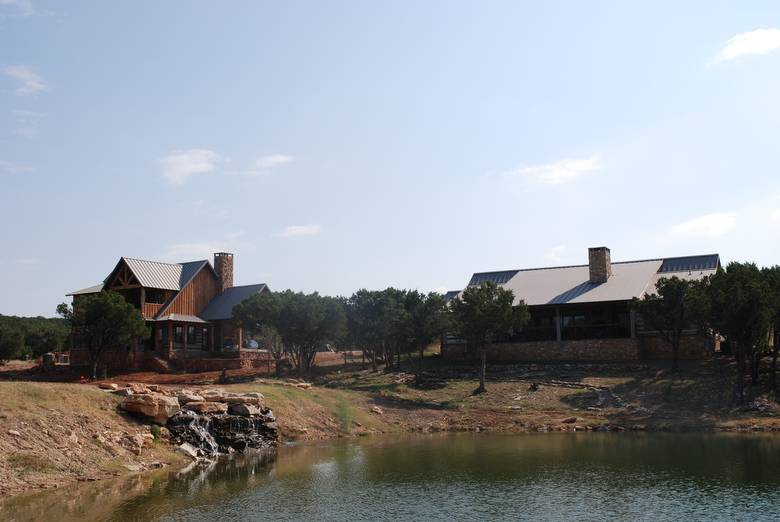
<point x="194" y="297"/>
<point x="150" y="310"/>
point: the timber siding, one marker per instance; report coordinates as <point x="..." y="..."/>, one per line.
<point x="194" y="297"/>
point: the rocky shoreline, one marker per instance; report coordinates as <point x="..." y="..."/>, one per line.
<point x="202" y="423"/>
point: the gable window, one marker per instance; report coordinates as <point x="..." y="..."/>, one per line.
<point x="155" y="296"/>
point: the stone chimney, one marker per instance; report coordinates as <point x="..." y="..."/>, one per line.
<point x="223" y="266"/>
<point x="600" y="264"/>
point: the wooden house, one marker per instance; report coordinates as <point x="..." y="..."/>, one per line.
<point x="188" y="307"/>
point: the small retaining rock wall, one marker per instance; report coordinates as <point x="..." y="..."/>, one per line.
<point x="692" y="347"/>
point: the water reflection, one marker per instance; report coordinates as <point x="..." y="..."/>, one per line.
<point x="548" y="476"/>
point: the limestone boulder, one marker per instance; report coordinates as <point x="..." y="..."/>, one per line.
<point x="155" y="406"/>
<point x="255" y="399"/>
<point x="138" y="388"/>
<point x="185" y="396"/>
<point x="206" y="407"/>
<point x="245" y="410"/>
<point x="188" y="450"/>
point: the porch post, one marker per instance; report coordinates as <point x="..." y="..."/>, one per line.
<point x="632" y="321"/>
<point x="184" y="328"/>
<point x="170" y="339"/>
<point x="558" y="335"/>
<point x="211" y="338"/>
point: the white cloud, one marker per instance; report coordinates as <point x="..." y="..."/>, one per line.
<point x="30" y="81"/>
<point x="709" y="225"/>
<point x="558" y="172"/>
<point x="179" y="165"/>
<point x="268" y="162"/>
<point x="27" y="123"/>
<point x="20" y="7"/>
<point x="13" y="168"/>
<point x="300" y="230"/>
<point x="555" y="254"/>
<point x="760" y="41"/>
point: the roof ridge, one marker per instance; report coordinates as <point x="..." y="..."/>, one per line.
<point x="662" y="259"/>
<point x="165" y="262"/>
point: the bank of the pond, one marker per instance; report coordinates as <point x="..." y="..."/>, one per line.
<point x="55" y="434"/>
<point x="561" y="476"/>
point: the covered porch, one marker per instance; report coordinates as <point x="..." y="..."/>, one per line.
<point x="181" y="336"/>
<point x="578" y="322"/>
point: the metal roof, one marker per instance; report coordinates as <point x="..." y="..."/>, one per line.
<point x="221" y="307"/>
<point x="690" y="263"/>
<point x="450" y="295"/>
<point x="498" y="278"/>
<point x="571" y="284"/>
<point x="165" y="276"/>
<point x="90" y="290"/>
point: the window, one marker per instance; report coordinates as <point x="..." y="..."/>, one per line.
<point x="191" y="335"/>
<point x="178" y="334"/>
<point x="155" y="296"/>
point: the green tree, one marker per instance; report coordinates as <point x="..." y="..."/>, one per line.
<point x="741" y="307"/>
<point x="11" y="343"/>
<point x="428" y="319"/>
<point x="485" y="313"/>
<point x="670" y="311"/>
<point x="772" y="277"/>
<point x="367" y="327"/>
<point x="304" y="322"/>
<point x="103" y="322"/>
<point x="256" y="315"/>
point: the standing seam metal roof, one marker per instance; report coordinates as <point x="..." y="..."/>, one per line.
<point x="221" y="307"/>
<point x="165" y="276"/>
<point x="571" y="284"/>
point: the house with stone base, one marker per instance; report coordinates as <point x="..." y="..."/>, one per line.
<point x="584" y="313"/>
<point x="189" y="310"/>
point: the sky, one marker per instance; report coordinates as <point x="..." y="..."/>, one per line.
<point x="333" y="146"/>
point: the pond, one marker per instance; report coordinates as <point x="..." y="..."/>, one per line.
<point x="573" y="476"/>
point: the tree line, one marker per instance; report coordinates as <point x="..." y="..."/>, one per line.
<point x="382" y="324"/>
<point x="28" y="337"/>
<point x="739" y="303"/>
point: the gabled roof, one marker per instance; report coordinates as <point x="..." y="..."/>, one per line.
<point x="221" y="307"/>
<point x="165" y="276"/>
<point x="89" y="290"/>
<point x="450" y="295"/>
<point x="571" y="284"/>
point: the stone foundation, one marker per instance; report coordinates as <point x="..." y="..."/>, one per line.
<point x="693" y="347"/>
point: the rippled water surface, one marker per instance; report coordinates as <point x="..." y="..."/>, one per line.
<point x="591" y="476"/>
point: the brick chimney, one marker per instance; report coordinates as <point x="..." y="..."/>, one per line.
<point x="600" y="264"/>
<point x="223" y="266"/>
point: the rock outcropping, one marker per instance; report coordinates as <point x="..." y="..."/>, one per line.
<point x="208" y="422"/>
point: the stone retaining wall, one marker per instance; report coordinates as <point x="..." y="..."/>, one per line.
<point x="693" y="347"/>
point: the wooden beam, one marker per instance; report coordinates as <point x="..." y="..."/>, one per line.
<point x="170" y="339"/>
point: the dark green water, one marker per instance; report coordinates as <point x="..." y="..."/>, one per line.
<point x="590" y="476"/>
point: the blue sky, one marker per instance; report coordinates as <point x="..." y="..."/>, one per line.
<point x="339" y="145"/>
